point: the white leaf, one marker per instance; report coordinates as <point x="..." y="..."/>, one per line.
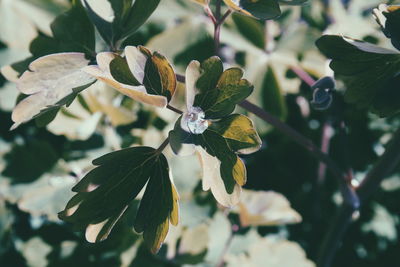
<point x="102" y="8"/>
<point x="136" y="62"/>
<point x="272" y="253"/>
<point x="212" y="180"/>
<point x="265" y="208"/>
<point x="192" y="75"/>
<point x="50" y="79"/>
<point x="194" y="240"/>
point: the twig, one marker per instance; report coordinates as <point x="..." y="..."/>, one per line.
<point x="304" y="76"/>
<point x="210" y="14"/>
<point x="180" y="78"/>
<point x="384" y="167"/>
<point x="174" y="109"/>
<point x="325" y="144"/>
<point x="163" y="146"/>
<point x="347" y="191"/>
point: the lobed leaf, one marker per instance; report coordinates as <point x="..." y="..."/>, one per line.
<point x="215" y="145"/>
<point x="74" y="30"/>
<point x="127" y="18"/>
<point x="218" y="91"/>
<point x="51" y="82"/>
<point x="239" y="132"/>
<point x="105" y="193"/>
<point x="369" y="72"/>
<point x="159" y="207"/>
<point x="388" y="18"/>
<point x="142" y="75"/>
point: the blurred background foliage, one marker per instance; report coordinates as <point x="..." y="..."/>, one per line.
<point x="286" y="209"/>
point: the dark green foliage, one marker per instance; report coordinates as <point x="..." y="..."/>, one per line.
<point x="220" y="91"/>
<point x="127" y="19"/>
<point x="368" y="71"/>
<point x="27" y="162"/>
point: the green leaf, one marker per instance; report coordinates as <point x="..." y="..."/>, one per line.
<point x="181" y="142"/>
<point x="260" y="9"/>
<point x="251" y="29"/>
<point x="137" y="16"/>
<point x="105" y="192"/>
<point x="121" y="8"/>
<point x="159" y="206"/>
<point x="239" y="132"/>
<point x="127" y="19"/>
<point x="159" y="78"/>
<point x="74" y="29"/>
<point x="219" y="99"/>
<point x="104" y="27"/>
<point x="367" y="70"/>
<point x="26" y="163"/>
<point x="72" y="32"/>
<point x="272" y="97"/>
<point x="211" y="70"/>
<point x="120" y="71"/>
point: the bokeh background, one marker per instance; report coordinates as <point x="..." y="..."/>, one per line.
<point x="286" y="208"/>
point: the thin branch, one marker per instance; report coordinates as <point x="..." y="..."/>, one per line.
<point x="163" y="146"/>
<point x="304" y="76"/>
<point x="174" y="109"/>
<point x="210" y="14"/>
<point x="225" y="16"/>
<point x="347" y="191"/>
<point x="218" y="9"/>
<point x="217" y="32"/>
<point x="180" y="78"/>
<point x="383" y="168"/>
<point x="325" y="144"/>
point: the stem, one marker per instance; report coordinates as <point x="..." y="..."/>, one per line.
<point x="217" y="20"/>
<point x="325" y="143"/>
<point x="218" y="9"/>
<point x="225" y="16"/>
<point x="174" y="109"/>
<point x="384" y="167"/>
<point x="347" y="191"/>
<point x="217" y="31"/>
<point x="304" y="76"/>
<point x="180" y="78"/>
<point x="210" y="14"/>
<point x="162" y="146"/>
<point x="334" y="236"/>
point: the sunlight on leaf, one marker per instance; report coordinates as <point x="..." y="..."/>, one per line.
<point x="50" y="79"/>
<point x="265" y="208"/>
<point x="105" y="193"/>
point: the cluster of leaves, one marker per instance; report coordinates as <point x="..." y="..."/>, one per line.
<point x="55" y="80"/>
<point x="370" y="72"/>
<point x="105" y="197"/>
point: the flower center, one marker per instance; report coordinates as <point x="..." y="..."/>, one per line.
<point x="193" y="121"/>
